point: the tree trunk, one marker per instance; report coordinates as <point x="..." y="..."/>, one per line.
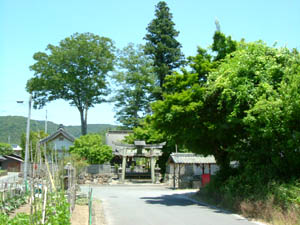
<point x="223" y="160"/>
<point x="83" y="119"/>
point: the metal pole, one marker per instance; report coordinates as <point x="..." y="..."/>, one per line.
<point x="27" y="142"/>
<point x="46" y="123"/>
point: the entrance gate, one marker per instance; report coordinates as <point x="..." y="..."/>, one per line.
<point x="139" y="149"/>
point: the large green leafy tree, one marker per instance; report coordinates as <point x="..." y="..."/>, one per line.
<point x="135" y="84"/>
<point x="161" y="45"/>
<point x="246" y="110"/>
<point x="91" y="148"/>
<point x="75" y="71"/>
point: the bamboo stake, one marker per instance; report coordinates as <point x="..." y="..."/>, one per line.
<point x="48" y="169"/>
<point x="30" y="203"/>
<point x="44" y="206"/>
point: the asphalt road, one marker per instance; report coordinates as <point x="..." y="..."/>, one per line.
<point x="157" y="205"/>
<point x="10" y="177"/>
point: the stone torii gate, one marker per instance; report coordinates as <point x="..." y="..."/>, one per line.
<point x="139" y="149"/>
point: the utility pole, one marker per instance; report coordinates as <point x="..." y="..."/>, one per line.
<point x="46" y="123"/>
<point x="27" y="142"/>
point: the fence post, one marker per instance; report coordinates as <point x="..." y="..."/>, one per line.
<point x="90" y="205"/>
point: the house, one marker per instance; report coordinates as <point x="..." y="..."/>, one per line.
<point x="11" y="163"/>
<point x="60" y="141"/>
<point x="116" y="136"/>
<point x="189" y="169"/>
<point x="16" y="149"/>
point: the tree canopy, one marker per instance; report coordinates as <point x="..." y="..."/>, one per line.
<point x="91" y="148"/>
<point x="135" y="81"/>
<point x="246" y="110"/>
<point x="75" y="71"/>
<point x="161" y="45"/>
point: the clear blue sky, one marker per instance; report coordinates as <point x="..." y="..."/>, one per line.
<point x="29" y="26"/>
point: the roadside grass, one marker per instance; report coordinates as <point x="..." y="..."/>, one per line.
<point x="280" y="206"/>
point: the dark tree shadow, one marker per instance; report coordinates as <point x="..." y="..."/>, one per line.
<point x="181" y="200"/>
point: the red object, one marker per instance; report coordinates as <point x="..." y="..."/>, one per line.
<point x="205" y="179"/>
<point x="35" y="166"/>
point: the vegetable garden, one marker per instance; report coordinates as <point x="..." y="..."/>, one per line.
<point x="49" y="192"/>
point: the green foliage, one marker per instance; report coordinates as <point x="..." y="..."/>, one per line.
<point x="19" y="219"/>
<point x="242" y="104"/>
<point x="246" y="110"/>
<point x="34" y="139"/>
<point x="5" y="149"/>
<point x="58" y="210"/>
<point x="161" y="45"/>
<point x="75" y="71"/>
<point x="12" y="202"/>
<point x="135" y="80"/>
<point x="222" y="45"/>
<point x="91" y="148"/>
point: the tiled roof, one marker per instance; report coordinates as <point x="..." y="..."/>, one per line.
<point x="60" y="131"/>
<point x="191" y="158"/>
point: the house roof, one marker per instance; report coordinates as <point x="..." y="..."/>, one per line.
<point x="60" y="132"/>
<point x="119" y="132"/>
<point x="191" y="158"/>
<point x="13" y="157"/>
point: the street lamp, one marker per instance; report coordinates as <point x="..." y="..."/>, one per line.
<point x="27" y="141"/>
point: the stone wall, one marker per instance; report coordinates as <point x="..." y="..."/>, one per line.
<point x="87" y="178"/>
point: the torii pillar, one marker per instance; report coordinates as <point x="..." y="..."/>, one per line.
<point x="124" y="159"/>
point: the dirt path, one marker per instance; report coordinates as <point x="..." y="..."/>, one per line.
<point x="80" y="215"/>
<point x="23" y="209"/>
<point x="98" y="213"/>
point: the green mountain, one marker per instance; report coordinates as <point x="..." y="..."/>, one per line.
<point x="12" y="127"/>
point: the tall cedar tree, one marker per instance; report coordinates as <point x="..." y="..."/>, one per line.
<point x="162" y="45"/>
<point x="74" y="71"/>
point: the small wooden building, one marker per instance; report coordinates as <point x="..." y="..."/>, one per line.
<point x="184" y="168"/>
<point x="11" y="163"/>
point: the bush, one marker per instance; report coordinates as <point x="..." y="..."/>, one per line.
<point x="91" y="148"/>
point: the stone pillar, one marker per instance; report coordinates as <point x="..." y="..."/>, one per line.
<point x="123" y="168"/>
<point x="153" y="169"/>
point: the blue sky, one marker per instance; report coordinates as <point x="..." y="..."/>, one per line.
<point x="29" y="26"/>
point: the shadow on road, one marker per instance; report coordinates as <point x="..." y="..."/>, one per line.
<point x="180" y="200"/>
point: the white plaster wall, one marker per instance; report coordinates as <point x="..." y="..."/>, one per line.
<point x="213" y="168"/>
<point x="114" y="137"/>
<point x="60" y="144"/>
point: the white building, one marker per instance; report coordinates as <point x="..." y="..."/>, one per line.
<point x="60" y="141"/>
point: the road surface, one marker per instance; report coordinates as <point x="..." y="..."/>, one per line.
<point x="157" y="205"/>
<point x="10" y="177"/>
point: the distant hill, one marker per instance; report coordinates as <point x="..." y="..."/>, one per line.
<point x="13" y="126"/>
